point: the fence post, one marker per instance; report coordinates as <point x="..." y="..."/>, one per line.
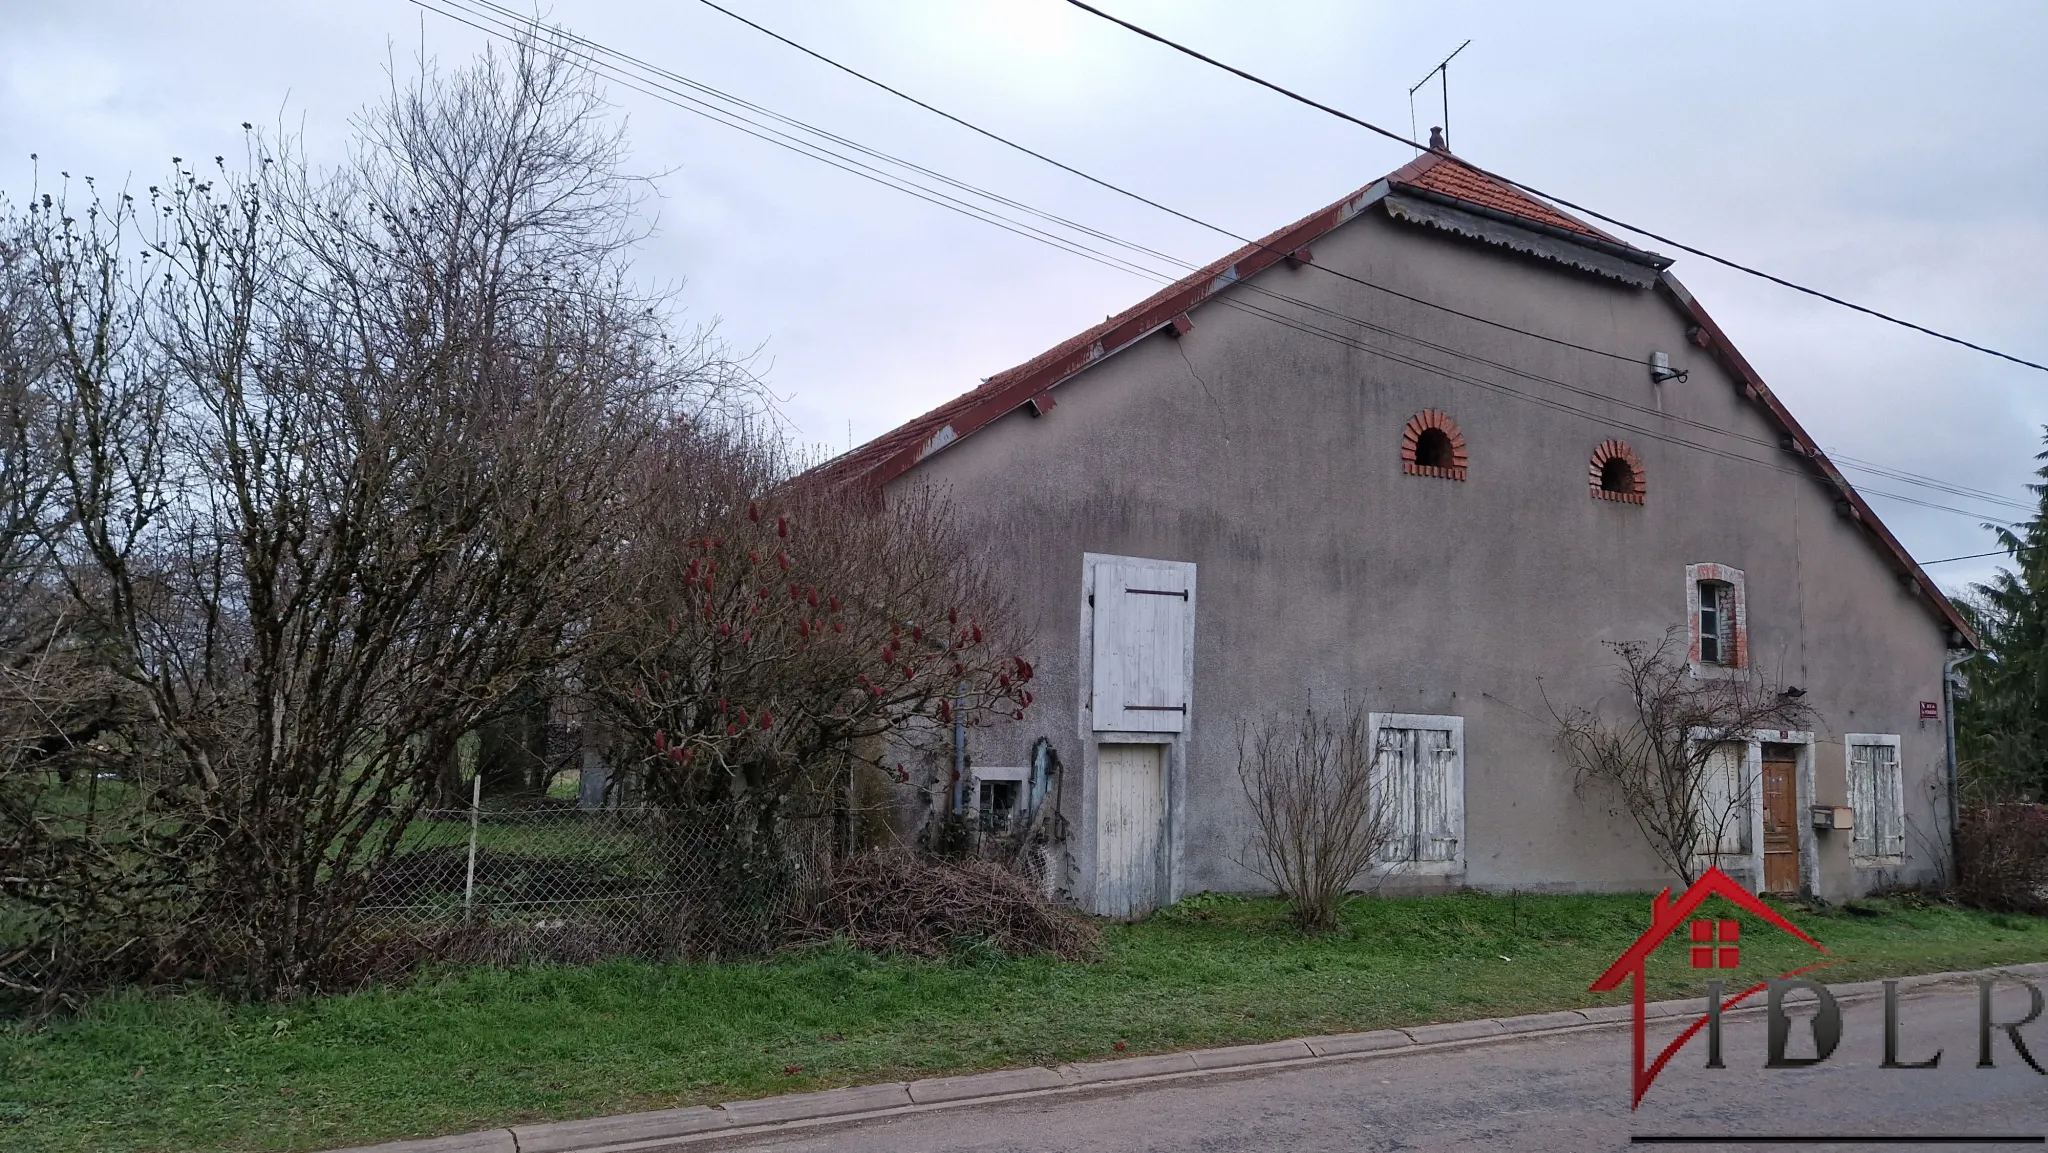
<point x="476" y="800"/>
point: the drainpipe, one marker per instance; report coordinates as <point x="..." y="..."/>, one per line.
<point x="959" y="759"/>
<point x="1948" y="715"/>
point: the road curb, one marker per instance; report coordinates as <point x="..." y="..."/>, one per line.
<point x="652" y="1130"/>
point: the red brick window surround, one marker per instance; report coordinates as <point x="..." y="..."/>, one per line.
<point x="1431" y="445"/>
<point x="1717" y="612"/>
<point x="1616" y="473"/>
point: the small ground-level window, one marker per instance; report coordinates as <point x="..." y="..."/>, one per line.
<point x="1431" y="445"/>
<point x="1616" y="473"/>
<point x="1877" y="798"/>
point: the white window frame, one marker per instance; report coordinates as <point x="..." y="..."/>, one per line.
<point x="979" y="774"/>
<point x="1456" y="727"/>
<point x="1850" y="743"/>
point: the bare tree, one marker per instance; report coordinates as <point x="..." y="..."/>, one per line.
<point x="773" y="637"/>
<point x="1319" y="817"/>
<point x="1670" y="758"/>
<point x="343" y="464"/>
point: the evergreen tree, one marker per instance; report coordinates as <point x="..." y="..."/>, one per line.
<point x="2002" y="726"/>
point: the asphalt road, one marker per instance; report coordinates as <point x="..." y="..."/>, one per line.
<point x="1559" y="1092"/>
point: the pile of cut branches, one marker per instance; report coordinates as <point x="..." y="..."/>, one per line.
<point x="894" y="902"/>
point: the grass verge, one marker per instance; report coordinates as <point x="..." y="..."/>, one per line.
<point x="467" y="1050"/>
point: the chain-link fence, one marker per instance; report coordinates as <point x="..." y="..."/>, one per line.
<point x="505" y="881"/>
<point x="560" y="883"/>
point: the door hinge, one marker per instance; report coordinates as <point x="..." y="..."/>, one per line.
<point x="1181" y="593"/>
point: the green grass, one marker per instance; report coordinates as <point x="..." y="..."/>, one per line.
<point x="466" y="1050"/>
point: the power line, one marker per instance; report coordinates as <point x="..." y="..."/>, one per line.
<point x="512" y="26"/>
<point x="1973" y="556"/>
<point x="1896" y="474"/>
<point x="1533" y="191"/>
<point x="1145" y="200"/>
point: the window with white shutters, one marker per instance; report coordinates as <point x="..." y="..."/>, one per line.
<point x="1876" y="799"/>
<point x="1723" y="800"/>
<point x="1419" y="773"/>
<point x="1142" y="612"/>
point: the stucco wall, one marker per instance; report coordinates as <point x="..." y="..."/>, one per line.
<point x="1270" y="458"/>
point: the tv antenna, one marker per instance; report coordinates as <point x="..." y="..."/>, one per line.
<point x="1442" y="70"/>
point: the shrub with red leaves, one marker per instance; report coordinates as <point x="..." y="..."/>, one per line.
<point x="751" y="684"/>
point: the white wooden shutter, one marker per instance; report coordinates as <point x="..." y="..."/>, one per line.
<point x="1863" y="817"/>
<point x="1142" y="612"/>
<point x="1724" y="619"/>
<point x="1393" y="767"/>
<point x="1891" y="828"/>
<point x="1724" y="823"/>
<point x="1419" y="777"/>
<point x="1436" y="799"/>
<point x="1877" y="797"/>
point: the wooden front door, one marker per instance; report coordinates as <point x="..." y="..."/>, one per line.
<point x="1130" y="828"/>
<point x="1781" y="819"/>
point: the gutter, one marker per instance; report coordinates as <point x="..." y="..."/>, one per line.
<point x="1948" y="716"/>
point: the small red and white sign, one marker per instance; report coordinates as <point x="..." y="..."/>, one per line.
<point x="1930" y="710"/>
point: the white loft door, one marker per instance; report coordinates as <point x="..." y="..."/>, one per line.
<point x="1142" y="610"/>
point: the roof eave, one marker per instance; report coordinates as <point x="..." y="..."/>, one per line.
<point x="1613" y="248"/>
<point x="1134" y="326"/>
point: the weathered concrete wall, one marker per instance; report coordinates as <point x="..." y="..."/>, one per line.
<point x="1270" y="458"/>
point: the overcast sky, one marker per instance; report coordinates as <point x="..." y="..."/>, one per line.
<point x="1894" y="154"/>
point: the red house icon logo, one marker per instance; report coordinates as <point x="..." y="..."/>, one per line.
<point x="1715" y="944"/>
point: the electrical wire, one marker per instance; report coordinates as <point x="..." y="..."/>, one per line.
<point x="1980" y="555"/>
<point x="1151" y="203"/>
<point x="511" y="27"/>
<point x="1534" y="191"/>
<point x="1866" y="466"/>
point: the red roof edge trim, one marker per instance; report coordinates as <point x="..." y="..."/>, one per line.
<point x="894" y="453"/>
<point x="1724" y="351"/>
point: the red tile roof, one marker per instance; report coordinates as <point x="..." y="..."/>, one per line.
<point x="1463" y="183"/>
<point x="896" y="452"/>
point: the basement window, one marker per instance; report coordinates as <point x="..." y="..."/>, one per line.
<point x="996" y="798"/>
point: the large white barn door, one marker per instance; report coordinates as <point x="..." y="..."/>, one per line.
<point x="1130" y="828"/>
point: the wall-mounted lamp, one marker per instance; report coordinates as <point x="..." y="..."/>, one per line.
<point x="1661" y="370"/>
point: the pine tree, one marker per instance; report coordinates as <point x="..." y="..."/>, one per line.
<point x="2002" y="726"/>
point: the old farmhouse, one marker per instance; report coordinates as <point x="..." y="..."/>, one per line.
<point x="1423" y="452"/>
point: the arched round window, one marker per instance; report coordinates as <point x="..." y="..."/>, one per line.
<point x="1616" y="473"/>
<point x="1431" y="445"/>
